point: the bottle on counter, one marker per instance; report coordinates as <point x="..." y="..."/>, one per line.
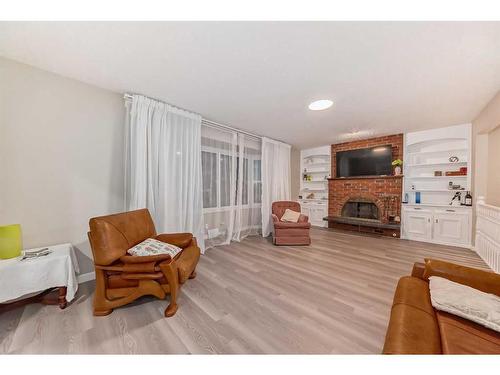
<point x="417" y="197"/>
<point x="468" y="199"/>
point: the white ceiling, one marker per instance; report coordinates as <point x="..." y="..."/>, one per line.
<point x="260" y="76"/>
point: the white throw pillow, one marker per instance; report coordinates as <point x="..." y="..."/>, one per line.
<point x="290" y="216"/>
<point x="466" y="302"/>
<point x="154" y="247"/>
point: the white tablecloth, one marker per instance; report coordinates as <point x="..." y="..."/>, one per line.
<point x="59" y="268"/>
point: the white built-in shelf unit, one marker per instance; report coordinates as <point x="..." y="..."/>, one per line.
<point x="315" y="164"/>
<point x="429" y="151"/>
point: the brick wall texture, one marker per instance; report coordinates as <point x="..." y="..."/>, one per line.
<point x="385" y="192"/>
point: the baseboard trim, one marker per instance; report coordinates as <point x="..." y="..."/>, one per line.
<point x="86" y="277"/>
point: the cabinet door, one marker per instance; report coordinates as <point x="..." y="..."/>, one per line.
<point x="316" y="215"/>
<point x="451" y="227"/>
<point x="304" y="209"/>
<point x="418" y="225"/>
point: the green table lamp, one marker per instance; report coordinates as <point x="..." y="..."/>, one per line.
<point x="10" y="241"/>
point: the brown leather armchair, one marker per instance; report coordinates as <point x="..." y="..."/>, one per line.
<point x="122" y="278"/>
<point x="289" y="233"/>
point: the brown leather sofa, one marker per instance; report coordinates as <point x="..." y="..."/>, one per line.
<point x="415" y="327"/>
<point x="289" y="233"/>
<point x="122" y="278"/>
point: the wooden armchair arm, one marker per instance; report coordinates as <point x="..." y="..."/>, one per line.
<point x="137" y="264"/>
<point x="132" y="259"/>
<point x="142" y="276"/>
<point x="149" y="267"/>
<point x="182" y="240"/>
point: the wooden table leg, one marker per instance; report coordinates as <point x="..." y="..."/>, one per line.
<point x="62" y="297"/>
<point x="47" y="297"/>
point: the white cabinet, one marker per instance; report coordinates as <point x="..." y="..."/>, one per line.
<point x="451" y="227"/>
<point x="316" y="215"/>
<point x="437" y="167"/>
<point x="418" y="224"/>
<point x="447" y="226"/>
<point x="316" y="212"/>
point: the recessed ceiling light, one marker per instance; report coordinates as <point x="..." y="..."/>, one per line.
<point x="320" y="105"/>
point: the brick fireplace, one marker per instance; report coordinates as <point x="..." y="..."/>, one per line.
<point x="368" y="204"/>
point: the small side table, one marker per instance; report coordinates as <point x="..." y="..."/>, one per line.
<point x="50" y="279"/>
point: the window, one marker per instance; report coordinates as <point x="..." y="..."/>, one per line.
<point x="245" y="182"/>
<point x="225" y="180"/>
<point x="216" y="170"/>
<point x="210" y="178"/>
<point x="257" y="181"/>
<point x="244" y="197"/>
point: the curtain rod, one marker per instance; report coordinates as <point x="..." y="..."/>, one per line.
<point x="127" y="96"/>
<point x="230" y="128"/>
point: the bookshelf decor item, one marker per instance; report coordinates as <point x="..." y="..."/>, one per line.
<point x="397" y="166"/>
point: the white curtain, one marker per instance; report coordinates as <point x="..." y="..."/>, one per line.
<point x="275" y="178"/>
<point x="231" y="185"/>
<point x="163" y="165"/>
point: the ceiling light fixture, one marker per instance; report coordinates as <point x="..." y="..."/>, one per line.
<point x="320" y="105"/>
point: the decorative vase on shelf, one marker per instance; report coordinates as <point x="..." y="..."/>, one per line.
<point x="397" y="166"/>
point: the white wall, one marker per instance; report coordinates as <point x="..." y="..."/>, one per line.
<point x="493" y="184"/>
<point x="295" y="173"/>
<point x="487" y="151"/>
<point x="480" y="166"/>
<point x="61" y="156"/>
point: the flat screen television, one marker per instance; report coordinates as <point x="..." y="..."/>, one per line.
<point x="374" y="161"/>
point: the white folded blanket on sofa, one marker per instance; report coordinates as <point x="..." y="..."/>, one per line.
<point x="466" y="302"/>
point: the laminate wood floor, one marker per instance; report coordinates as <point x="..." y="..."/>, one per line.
<point x="250" y="297"/>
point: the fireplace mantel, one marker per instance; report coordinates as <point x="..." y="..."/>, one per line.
<point x="364" y="177"/>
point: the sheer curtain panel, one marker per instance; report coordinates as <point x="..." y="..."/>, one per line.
<point x="247" y="218"/>
<point x="163" y="165"/>
<point x="275" y="178"/>
<point x="231" y="185"/>
<point x="219" y="178"/>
